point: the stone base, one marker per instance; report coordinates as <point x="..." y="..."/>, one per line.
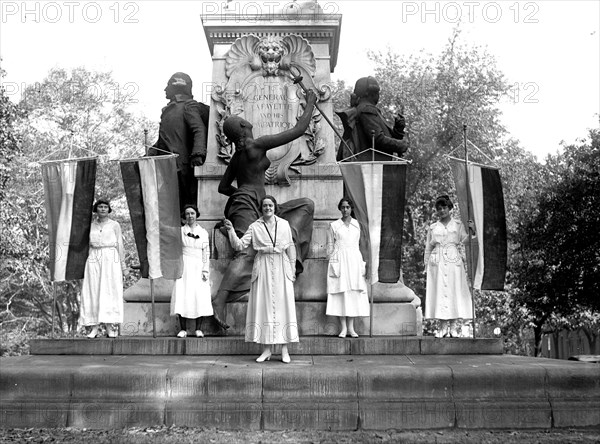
<point x="396" y="310"/>
<point x="314" y="392"/>
<point x="396" y="319"/>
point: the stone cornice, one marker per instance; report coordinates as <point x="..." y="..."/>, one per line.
<point x="225" y="29"/>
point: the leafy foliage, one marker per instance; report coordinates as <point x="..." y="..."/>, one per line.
<point x="557" y="264"/>
<point x="68" y="114"/>
<point x="463" y="86"/>
<point x="522" y="178"/>
<point x="438" y="95"/>
<point x="9" y="143"/>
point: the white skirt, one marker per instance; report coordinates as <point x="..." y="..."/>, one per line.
<point x="191" y="295"/>
<point x="348" y="303"/>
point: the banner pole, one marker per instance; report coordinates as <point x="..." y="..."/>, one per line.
<point x="146" y="141"/>
<point x="371" y="258"/>
<point x="53" y="305"/>
<point x="471" y="271"/>
<point x="371" y="313"/>
<point x="372" y="146"/>
<point x="153" y="312"/>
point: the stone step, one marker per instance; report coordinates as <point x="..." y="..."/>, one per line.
<point x="235" y="345"/>
<point x="404" y="392"/>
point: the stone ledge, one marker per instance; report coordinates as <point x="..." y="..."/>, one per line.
<point x="504" y="413"/>
<point x="506" y="396"/>
<point x="222" y="415"/>
<point x="573" y="394"/>
<point x="458" y="346"/>
<point x="34" y="397"/>
<point x="407" y="414"/>
<point x="494" y="392"/>
<point x="235" y="345"/>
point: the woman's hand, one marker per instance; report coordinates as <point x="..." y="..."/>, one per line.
<point x="227" y="224"/>
<point x="205" y="276"/>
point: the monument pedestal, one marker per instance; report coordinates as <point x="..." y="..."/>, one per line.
<point x="389" y="319"/>
<point x="396" y="309"/>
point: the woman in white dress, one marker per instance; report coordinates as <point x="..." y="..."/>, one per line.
<point x="190" y="299"/>
<point x="346" y="285"/>
<point x="102" y="288"/>
<point x="271" y="315"/>
<point x="447" y="295"/>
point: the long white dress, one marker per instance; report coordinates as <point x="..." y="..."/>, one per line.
<point x="346" y="285"/>
<point x="271" y="315"/>
<point x="191" y="295"/>
<point x="102" y="288"/>
<point x="447" y="295"/>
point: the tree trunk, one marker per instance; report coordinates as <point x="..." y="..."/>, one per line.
<point x="537" y="335"/>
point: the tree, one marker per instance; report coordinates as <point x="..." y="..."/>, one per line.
<point x="438" y="95"/>
<point x="523" y="177"/>
<point x="340" y="99"/>
<point x="9" y="149"/>
<point x="79" y="114"/>
<point x="9" y="142"/>
<point x="558" y="263"/>
<point x="463" y="85"/>
<point x="69" y="114"/>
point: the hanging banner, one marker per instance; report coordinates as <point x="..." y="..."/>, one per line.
<point x="69" y="194"/>
<point x="152" y="193"/>
<point x="378" y="191"/>
<point x="487" y="211"/>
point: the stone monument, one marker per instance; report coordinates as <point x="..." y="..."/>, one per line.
<point x="255" y="60"/>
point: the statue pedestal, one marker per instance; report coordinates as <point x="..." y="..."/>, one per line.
<point x="389" y="319"/>
<point x="396" y="309"/>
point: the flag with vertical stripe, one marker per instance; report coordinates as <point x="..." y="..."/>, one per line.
<point x="486" y="201"/>
<point x="69" y="194"/>
<point x="378" y="192"/>
<point x="152" y="193"/>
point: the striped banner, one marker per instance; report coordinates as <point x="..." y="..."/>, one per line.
<point x="378" y="192"/>
<point x="69" y="192"/>
<point x="487" y="211"/>
<point x="152" y="194"/>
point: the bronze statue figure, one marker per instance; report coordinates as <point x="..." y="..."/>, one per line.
<point x="247" y="167"/>
<point x="364" y="123"/>
<point x="183" y="131"/>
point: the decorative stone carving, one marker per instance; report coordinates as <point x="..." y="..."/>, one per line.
<point x="260" y="89"/>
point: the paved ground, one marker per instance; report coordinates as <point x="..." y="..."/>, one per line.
<point x="179" y="435"/>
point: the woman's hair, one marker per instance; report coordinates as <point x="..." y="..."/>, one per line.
<point x="271" y="198"/>
<point x="193" y="207"/>
<point x="345" y="199"/>
<point x="444" y="201"/>
<point x="101" y="201"/>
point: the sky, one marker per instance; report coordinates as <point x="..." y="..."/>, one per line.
<point x="548" y="50"/>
